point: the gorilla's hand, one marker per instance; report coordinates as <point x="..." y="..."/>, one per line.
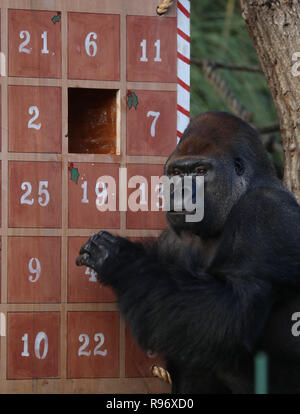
<point x="98" y="248"/>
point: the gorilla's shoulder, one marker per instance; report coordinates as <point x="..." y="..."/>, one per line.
<point x="269" y="200"/>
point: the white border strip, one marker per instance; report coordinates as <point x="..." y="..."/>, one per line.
<point x="183" y="66"/>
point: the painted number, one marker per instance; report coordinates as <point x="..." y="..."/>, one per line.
<point x="34" y="110"/>
<point x="101" y="194"/>
<point x="44" y="196"/>
<point x="45" y="50"/>
<point x="100" y="190"/>
<point x="25" y="34"/>
<point x="161" y="200"/>
<point x="34" y="267"/>
<point x="98" y="337"/>
<point x="143" y="45"/>
<point x="91" y="45"/>
<point x="90" y="272"/>
<point x="41" y="337"/>
<point x="155" y="116"/>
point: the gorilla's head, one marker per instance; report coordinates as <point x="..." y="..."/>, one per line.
<point x="230" y="155"/>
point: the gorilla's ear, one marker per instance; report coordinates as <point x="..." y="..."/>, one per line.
<point x="239" y="166"/>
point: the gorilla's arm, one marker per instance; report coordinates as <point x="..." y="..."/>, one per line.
<point x="210" y="316"/>
<point x="206" y="321"/>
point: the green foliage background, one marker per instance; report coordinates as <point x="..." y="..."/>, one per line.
<point x="219" y="33"/>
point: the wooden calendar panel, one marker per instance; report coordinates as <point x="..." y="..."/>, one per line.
<point x="34" y="119"/>
<point x="34" y="269"/>
<point x="69" y="122"/>
<point x="139" y="363"/>
<point x="82" y="282"/>
<point x="34" y="44"/>
<point x="141" y="196"/>
<point x="93" y="350"/>
<point x="33" y="345"/>
<point x="151" y="127"/>
<point x="90" y="193"/>
<point x="151" y="46"/>
<point x="34" y="194"/>
<point x="94" y="46"/>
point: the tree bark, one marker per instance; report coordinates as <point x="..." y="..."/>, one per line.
<point x="274" y="28"/>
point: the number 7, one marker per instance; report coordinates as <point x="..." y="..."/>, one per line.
<point x="156" y="116"/>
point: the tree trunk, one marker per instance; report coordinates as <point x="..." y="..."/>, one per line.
<point x="274" y="28"/>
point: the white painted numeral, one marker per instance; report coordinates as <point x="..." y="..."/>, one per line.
<point x="143" y="45"/>
<point x="160" y="195"/>
<point x="86" y="340"/>
<point x="34" y="269"/>
<point x="91" y="44"/>
<point x="34" y="110"/>
<point x="156" y="116"/>
<point x="41" y="336"/>
<point x="101" y="194"/>
<point x="100" y="190"/>
<point x="98" y="337"/>
<point x="45" y="50"/>
<point x="157" y="56"/>
<point x="84" y="197"/>
<point x="22" y="48"/>
<point x="25" y="352"/>
<point x="43" y="201"/>
<point x="143" y="194"/>
<point x="27" y="187"/>
<point x="92" y="274"/>
<point x="44" y="196"/>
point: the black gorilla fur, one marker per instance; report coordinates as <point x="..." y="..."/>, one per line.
<point x="208" y="295"/>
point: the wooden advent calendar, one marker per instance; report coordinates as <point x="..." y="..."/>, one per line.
<point x="87" y="87"/>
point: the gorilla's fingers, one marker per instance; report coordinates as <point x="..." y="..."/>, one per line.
<point x="82" y="259"/>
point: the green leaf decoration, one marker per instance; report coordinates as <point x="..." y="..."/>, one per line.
<point x="56" y="18"/>
<point x="132" y="100"/>
<point x="129" y="102"/>
<point x="75" y="174"/>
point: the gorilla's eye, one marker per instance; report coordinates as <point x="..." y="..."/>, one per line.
<point x="200" y="170"/>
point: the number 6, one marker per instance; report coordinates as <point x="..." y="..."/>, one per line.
<point x="91" y="43"/>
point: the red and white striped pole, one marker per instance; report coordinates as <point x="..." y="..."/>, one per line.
<point x="183" y="66"/>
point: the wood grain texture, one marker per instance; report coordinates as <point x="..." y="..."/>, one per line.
<point x="66" y="304"/>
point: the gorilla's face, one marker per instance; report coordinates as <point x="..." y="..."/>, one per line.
<point x="212" y="146"/>
<point x="217" y="192"/>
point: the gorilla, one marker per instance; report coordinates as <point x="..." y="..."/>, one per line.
<point x="209" y="295"/>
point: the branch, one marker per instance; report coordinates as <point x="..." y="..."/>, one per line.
<point x="229" y="66"/>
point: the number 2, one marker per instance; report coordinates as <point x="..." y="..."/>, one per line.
<point x="22" y="48"/>
<point x="86" y="340"/>
<point x="34" y="110"/>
